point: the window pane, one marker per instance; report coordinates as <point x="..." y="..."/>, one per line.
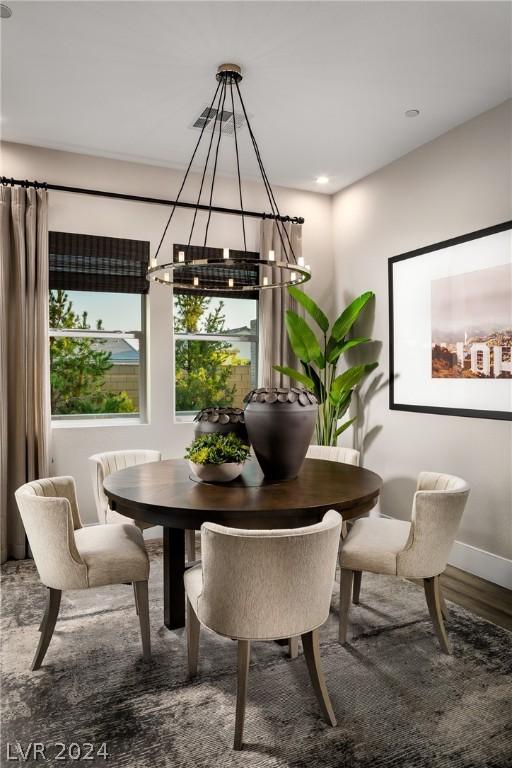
<point x="88" y="375"/>
<point x="114" y="311"/>
<point x="213" y="373"/>
<point x="202" y="314"/>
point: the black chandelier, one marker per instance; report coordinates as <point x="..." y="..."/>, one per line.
<point x="224" y="270"/>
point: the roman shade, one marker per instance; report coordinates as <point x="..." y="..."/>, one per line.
<point x="215" y="277"/>
<point x="95" y="263"/>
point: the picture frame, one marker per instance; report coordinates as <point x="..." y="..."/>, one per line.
<point x="450" y="326"/>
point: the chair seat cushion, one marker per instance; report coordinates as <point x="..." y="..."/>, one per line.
<point x="194" y="584"/>
<point x="373" y="544"/>
<point x="113" y="554"/>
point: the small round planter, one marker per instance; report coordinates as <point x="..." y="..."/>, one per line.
<point x="222" y="420"/>
<point x="280" y="422"/>
<point x="216" y="473"/>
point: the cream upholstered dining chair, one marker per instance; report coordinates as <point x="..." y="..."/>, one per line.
<point x="334" y="453"/>
<point x="69" y="556"/>
<point x="102" y="465"/>
<point x="264" y="585"/>
<point x="415" y="550"/>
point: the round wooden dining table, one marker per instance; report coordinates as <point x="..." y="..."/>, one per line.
<point x="165" y="493"/>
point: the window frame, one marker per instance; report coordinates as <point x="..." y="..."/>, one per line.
<point x="114" y="419"/>
<point x="187" y="417"/>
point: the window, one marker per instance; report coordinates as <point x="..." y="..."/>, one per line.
<point x="216" y="351"/>
<point x="96" y="334"/>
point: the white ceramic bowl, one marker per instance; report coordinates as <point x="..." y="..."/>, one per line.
<point x="216" y="473"/>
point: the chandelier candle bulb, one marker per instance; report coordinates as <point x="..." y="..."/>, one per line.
<point x="153" y="263"/>
<point x="231" y="282"/>
<point x="265" y="281"/>
<point x="196" y="281"/>
<point x="308" y="268"/>
<point x="181" y="255"/>
<point x="293" y="276"/>
<point x="226" y="253"/>
<point x="271" y="256"/>
<point x="300" y="261"/>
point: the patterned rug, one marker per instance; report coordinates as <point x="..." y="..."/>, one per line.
<point x="399" y="701"/>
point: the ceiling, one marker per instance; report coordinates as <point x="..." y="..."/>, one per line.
<point x="326" y="83"/>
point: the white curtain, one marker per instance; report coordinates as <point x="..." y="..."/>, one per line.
<point x="24" y="357"/>
<point x="274" y="347"/>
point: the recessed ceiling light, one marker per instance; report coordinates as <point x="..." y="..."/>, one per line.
<point x="322" y="179"/>
<point x="412" y="113"/>
<point x="5" y="11"/>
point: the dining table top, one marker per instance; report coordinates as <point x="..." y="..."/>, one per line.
<point x="167" y="493"/>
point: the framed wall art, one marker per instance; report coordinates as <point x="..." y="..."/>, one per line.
<point x="450" y="326"/>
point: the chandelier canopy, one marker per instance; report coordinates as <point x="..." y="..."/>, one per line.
<point x="224" y="270"/>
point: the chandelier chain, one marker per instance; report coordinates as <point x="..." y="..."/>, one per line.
<point x="238" y="164"/>
<point x="273" y="204"/>
<point x="184" y="179"/>
<point x="205" y="165"/>
<point x="215" y="162"/>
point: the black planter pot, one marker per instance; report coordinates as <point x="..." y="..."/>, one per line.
<point x="222" y="420"/>
<point x="280" y="423"/>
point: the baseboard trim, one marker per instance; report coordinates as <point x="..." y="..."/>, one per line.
<point x="481" y="563"/>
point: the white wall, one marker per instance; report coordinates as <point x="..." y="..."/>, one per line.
<point x="99" y="216"/>
<point x="458" y="183"/>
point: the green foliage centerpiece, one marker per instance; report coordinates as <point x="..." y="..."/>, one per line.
<point x="320" y="359"/>
<point x="217" y="458"/>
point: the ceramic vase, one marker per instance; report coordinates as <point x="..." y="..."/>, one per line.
<point x="280" y="423"/>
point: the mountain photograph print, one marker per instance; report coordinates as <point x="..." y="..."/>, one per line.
<point x="471" y="318"/>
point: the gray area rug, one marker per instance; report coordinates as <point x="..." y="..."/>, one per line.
<point x="398" y="699"/>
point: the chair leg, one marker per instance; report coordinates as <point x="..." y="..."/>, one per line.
<point x="293" y="647"/>
<point x="346" y="579"/>
<point x="193" y="630"/>
<point x="135" y="598"/>
<point x="43" y="620"/>
<point x="142" y="602"/>
<point x="311" y="646"/>
<point x="433" y="595"/>
<point x="47" y="626"/>
<point x="357" y="587"/>
<point x="444" y="609"/>
<point x="244" y="657"/>
<point x="190" y="545"/>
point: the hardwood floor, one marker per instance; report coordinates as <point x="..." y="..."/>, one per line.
<point x="484" y="598"/>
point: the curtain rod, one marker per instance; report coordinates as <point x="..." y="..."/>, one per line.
<point x="154" y="200"/>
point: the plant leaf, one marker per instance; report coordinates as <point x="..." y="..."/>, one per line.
<point x="337" y="348"/>
<point x="296" y="375"/>
<point x="347" y="380"/>
<point x="311" y="307"/>
<point x="319" y="388"/>
<point x="349" y="315"/>
<point x="344" y="426"/>
<point x="304" y="342"/>
<point x="343" y="404"/>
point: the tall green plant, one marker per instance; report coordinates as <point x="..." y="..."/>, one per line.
<point x="320" y="360"/>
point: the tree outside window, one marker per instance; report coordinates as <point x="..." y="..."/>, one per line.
<point x="79" y="364"/>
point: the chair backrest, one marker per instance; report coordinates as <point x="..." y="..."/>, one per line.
<point x="334" y="453"/>
<point x="103" y="464"/>
<point x="49" y="511"/>
<point x="437" y="510"/>
<point x="260" y="584"/>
